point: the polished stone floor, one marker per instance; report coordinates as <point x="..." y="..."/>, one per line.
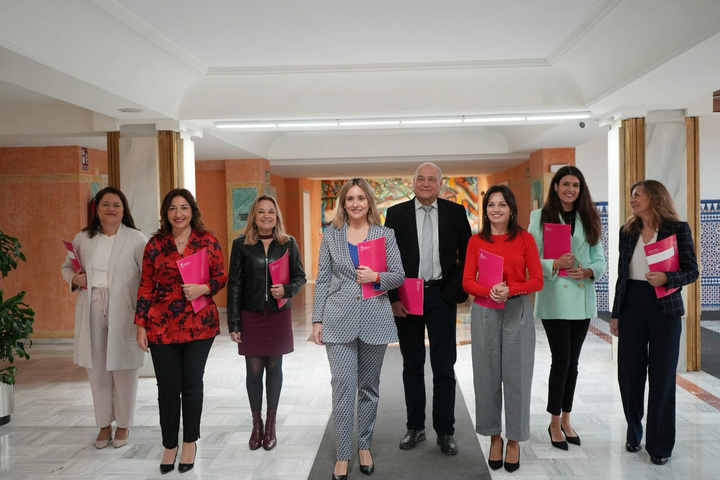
<point x="52" y="430"/>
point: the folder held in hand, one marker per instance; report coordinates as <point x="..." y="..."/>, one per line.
<point x="662" y="256"/>
<point x="371" y="253"/>
<point x="490" y="273"/>
<point x="556" y="243"/>
<point x="196" y="269"/>
<point x="280" y="273"/>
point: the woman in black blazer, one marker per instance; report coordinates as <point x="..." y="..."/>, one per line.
<point x="648" y="328"/>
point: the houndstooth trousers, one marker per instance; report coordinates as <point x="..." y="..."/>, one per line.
<point x="355" y="371"/>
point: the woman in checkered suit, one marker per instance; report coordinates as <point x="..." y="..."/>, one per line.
<point x="648" y="328"/>
<point x="355" y="331"/>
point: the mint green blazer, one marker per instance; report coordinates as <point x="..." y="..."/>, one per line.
<point x="563" y="297"/>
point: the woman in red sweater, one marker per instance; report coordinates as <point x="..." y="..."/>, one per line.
<point x="503" y="328"/>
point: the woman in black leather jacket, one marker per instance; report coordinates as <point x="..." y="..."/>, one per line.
<point x="259" y="318"/>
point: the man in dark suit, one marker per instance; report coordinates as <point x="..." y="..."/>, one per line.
<point x="432" y="235"/>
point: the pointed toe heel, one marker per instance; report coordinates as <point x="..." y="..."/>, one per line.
<point x="561" y="445"/>
<point x="497" y="464"/>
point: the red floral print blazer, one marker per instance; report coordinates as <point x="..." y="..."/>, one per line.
<point x="162" y="308"/>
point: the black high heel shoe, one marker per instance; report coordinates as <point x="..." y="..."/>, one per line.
<point x="511" y="467"/>
<point x="344" y="476"/>
<point x="496" y="464"/>
<point x="168" y="467"/>
<point x="186" y="467"/>
<point x="366" y="469"/>
<point x="561" y="445"/>
<point x="574" y="440"/>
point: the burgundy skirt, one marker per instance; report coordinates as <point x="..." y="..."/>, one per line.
<point x="266" y="333"/>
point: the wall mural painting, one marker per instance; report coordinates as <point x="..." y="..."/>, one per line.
<point x="389" y="191"/>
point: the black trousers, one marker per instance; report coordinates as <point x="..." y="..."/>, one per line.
<point x="648" y="347"/>
<point x="179" y="369"/>
<point x="439" y="317"/>
<point x="566" y="339"/>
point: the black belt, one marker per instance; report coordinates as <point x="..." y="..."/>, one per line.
<point x="432" y="283"/>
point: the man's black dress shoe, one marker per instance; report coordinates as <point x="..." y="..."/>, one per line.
<point x="412" y="438"/>
<point x="447" y="444"/>
<point x="366" y="469"/>
<point x="496" y="464"/>
<point x="632" y="448"/>
<point x="561" y="445"/>
<point x="659" y="460"/>
<point x="574" y="440"/>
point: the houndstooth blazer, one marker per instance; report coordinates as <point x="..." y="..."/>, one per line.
<point x="338" y="301"/>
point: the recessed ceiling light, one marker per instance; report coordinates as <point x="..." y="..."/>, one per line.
<point x="131" y="110"/>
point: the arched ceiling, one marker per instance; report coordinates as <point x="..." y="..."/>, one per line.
<point x="66" y="68"/>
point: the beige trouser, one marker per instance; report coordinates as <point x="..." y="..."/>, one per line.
<point x="113" y="391"/>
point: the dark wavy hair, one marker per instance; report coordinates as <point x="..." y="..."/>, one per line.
<point x="583" y="205"/>
<point x="196" y="222"/>
<point x="509" y="197"/>
<point x="95" y="227"/>
<point x="661" y="206"/>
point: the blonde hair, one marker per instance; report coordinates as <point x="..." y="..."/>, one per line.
<point x="662" y="207"/>
<point x="251" y="233"/>
<point x="341" y="217"/>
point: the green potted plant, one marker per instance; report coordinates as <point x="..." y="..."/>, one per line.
<point x="16" y="320"/>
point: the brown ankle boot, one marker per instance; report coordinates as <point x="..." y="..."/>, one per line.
<point x="270" y="440"/>
<point x="256" y="437"/>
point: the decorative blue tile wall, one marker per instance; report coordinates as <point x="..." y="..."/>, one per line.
<point x="601" y="285"/>
<point x="710" y="255"/>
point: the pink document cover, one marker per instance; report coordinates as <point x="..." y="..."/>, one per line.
<point x="73" y="257"/>
<point x="371" y="253"/>
<point x="490" y="273"/>
<point x="556" y="243"/>
<point x="662" y="256"/>
<point x="195" y="269"/>
<point x="280" y="273"/>
<point x="412" y="295"/>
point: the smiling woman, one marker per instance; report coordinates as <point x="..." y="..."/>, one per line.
<point x="178" y="338"/>
<point x="110" y="251"/>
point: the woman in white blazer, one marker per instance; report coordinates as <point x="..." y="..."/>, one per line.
<point x="567" y="303"/>
<point x="355" y="331"/>
<point x="110" y="252"/>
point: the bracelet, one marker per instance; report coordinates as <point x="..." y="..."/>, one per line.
<point x="554" y="266"/>
<point x="377" y="280"/>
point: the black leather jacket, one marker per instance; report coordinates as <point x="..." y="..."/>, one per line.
<point x="248" y="286"/>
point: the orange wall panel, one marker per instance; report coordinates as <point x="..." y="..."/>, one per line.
<point x="44" y="194"/>
<point x="210" y="187"/>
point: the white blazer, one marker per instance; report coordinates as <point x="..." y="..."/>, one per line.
<point x="124" y="272"/>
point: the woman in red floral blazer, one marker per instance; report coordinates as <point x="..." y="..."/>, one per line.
<point x="178" y="338"/>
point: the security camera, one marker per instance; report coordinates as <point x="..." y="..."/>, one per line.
<point x="582" y="124"/>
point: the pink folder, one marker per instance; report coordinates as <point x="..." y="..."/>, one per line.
<point x="662" y="256"/>
<point x="195" y="269"/>
<point x="556" y="243"/>
<point x="371" y="253"/>
<point x="73" y="257"/>
<point x="280" y="273"/>
<point x="490" y="273"/>
<point x="412" y="295"/>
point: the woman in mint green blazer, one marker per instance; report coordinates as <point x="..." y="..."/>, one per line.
<point x="567" y="303"/>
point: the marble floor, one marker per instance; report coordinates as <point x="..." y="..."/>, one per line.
<point x="52" y="430"/>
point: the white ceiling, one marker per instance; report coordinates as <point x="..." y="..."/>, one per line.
<point x="66" y="68"/>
